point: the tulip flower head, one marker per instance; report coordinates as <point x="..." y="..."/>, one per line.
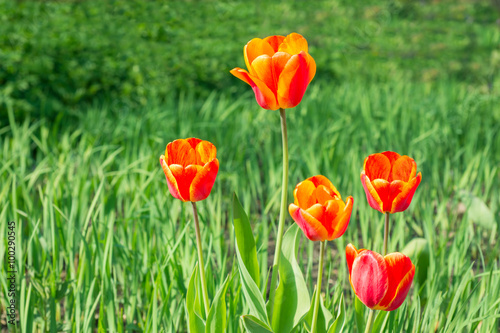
<point x="390" y="181"/>
<point x="279" y="70"/>
<point x="319" y="210"/>
<point x="190" y="166"/>
<point x="381" y="283"/>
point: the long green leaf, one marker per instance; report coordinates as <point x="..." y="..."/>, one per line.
<point x="245" y="240"/>
<point x="216" y="320"/>
<point x="252" y="293"/>
<point x="196" y="324"/>
<point x="292" y="297"/>
<point x="254" y="325"/>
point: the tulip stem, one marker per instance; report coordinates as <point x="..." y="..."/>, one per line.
<point x="314" y="323"/>
<point x="281" y="225"/>
<point x="200" y="259"/>
<point x="386" y="233"/>
<point x="369" y="323"/>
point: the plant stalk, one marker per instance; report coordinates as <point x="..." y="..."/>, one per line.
<point x="369" y="323"/>
<point x="281" y="225"/>
<point x="386" y="233"/>
<point x="314" y="324"/>
<point x="200" y="260"/>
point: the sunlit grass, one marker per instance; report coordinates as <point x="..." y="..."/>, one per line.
<point x="102" y="244"/>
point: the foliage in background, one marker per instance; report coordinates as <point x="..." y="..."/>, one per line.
<point x="101" y="244"/>
<point x="57" y="56"/>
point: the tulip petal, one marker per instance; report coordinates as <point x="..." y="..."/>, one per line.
<point x="322" y="180"/>
<point x="369" y="278"/>
<point x="264" y="96"/>
<point x="350" y="254"/>
<point x="293" y="81"/>
<point x="263" y="69"/>
<point x="404" y="168"/>
<point x="303" y="194"/>
<point x="403" y="199"/>
<point x="341" y="222"/>
<point x="205" y="152"/>
<point x="255" y="48"/>
<point x="184" y="178"/>
<point x="279" y="59"/>
<point x="180" y="152"/>
<point x="311" y="65"/>
<point x="312" y="228"/>
<point x="392" y="156"/>
<point x="204" y="181"/>
<point x="371" y="194"/>
<point x="293" y="44"/>
<point x="324" y="194"/>
<point x="400" y="271"/>
<point x="317" y="211"/>
<point x="193" y="142"/>
<point x="274" y="41"/>
<point x="378" y="166"/>
<point x="171" y="181"/>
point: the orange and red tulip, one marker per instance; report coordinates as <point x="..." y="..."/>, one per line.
<point x="319" y="210"/>
<point x="279" y="70"/>
<point x="389" y="181"/>
<point x="381" y="283"/>
<point x="190" y="166"/>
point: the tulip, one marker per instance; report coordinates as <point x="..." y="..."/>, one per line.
<point x="279" y="70"/>
<point x="190" y="166"/>
<point x="318" y="209"/>
<point x="389" y="181"/>
<point x="381" y="283"/>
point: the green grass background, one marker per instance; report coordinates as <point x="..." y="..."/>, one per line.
<point x="92" y="91"/>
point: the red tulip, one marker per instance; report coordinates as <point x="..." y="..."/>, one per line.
<point x="389" y="181"/>
<point x="319" y="210"/>
<point x="279" y="70"/>
<point x="381" y="283"/>
<point x="190" y="166"/>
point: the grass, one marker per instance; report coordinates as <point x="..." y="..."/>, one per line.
<point x="103" y="245"/>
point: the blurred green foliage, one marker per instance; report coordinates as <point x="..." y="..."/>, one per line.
<point x="59" y="55"/>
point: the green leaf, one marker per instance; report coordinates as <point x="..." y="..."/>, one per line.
<point x="254" y="325"/>
<point x="196" y="324"/>
<point x="339" y="323"/>
<point x="252" y="293"/>
<point x="418" y="251"/>
<point x="245" y="240"/>
<point x="359" y="309"/>
<point x="292" y="301"/>
<point x="216" y="320"/>
<point x="480" y="213"/>
<point x="380" y="321"/>
<point x="324" y="315"/>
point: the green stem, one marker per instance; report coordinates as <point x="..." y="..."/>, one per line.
<point x="281" y="225"/>
<point x="200" y="259"/>
<point x="314" y="323"/>
<point x="369" y="324"/>
<point x="386" y="233"/>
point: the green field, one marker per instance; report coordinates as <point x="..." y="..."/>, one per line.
<point x="91" y="92"/>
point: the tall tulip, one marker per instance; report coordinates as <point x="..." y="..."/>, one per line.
<point x="279" y="71"/>
<point x="319" y="211"/>
<point x="381" y="283"/>
<point x="190" y="166"/>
